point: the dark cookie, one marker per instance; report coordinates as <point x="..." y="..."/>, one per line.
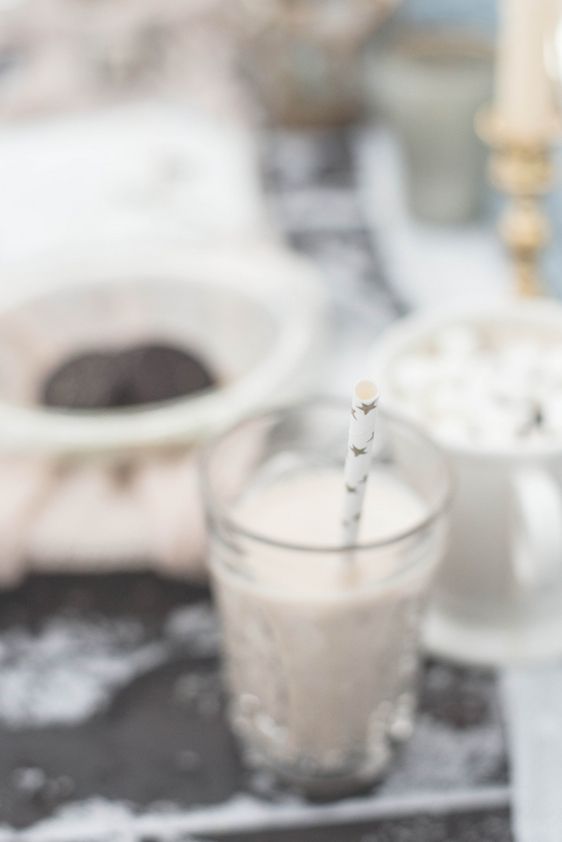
<point x="140" y="375"/>
<point x="156" y="373"/>
<point x="84" y="381"/>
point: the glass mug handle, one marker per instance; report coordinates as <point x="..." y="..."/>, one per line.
<point x="536" y="528"/>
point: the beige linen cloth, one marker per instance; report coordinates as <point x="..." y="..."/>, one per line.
<point x="95" y="518"/>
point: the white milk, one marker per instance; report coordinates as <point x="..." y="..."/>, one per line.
<point x="320" y="645"/>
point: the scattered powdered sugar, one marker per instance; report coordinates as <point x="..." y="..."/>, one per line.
<point x="201" y="692"/>
<point x="263" y="783"/>
<point x="104" y="819"/>
<point x="29" y="779"/>
<point x="458" y="740"/>
<point x="71" y="668"/>
<point x="440" y="757"/>
<point x="68" y="671"/>
<point x="196" y="627"/>
<point x="33" y="784"/>
<point x="112" y="821"/>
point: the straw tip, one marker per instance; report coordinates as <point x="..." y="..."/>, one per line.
<point x="366" y="390"/>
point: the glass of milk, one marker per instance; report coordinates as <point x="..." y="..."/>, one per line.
<point x="320" y="639"/>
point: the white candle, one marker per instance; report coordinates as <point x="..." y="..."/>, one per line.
<point x="524" y="95"/>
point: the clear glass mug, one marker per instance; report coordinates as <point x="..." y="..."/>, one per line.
<point x="321" y="680"/>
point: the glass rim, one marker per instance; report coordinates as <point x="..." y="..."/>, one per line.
<point x="219" y="513"/>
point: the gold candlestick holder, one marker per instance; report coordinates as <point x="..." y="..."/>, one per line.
<point x="521" y="168"/>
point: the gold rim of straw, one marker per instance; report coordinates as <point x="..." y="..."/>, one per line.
<point x="217" y="512"/>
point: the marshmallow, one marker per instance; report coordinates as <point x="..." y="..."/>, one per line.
<point x="457" y="340"/>
<point x="413" y="373"/>
<point x="471" y="387"/>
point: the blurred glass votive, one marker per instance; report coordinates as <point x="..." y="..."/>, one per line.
<point x="303" y="57"/>
<point x="320" y="639"/>
<point x="430" y="87"/>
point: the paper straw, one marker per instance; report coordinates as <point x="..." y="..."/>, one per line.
<point x="358" y="457"/>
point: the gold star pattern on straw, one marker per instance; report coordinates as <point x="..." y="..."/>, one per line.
<point x="368" y="407"/>
<point x="359" y="444"/>
<point x="358" y="451"/>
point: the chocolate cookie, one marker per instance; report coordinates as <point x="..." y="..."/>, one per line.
<point x="140" y="375"/>
<point x="84" y="381"/>
<point x="159" y="372"/>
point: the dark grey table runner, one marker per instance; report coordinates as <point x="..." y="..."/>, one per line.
<point x="157" y="737"/>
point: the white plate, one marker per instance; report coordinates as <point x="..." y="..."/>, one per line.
<point x="492" y="645"/>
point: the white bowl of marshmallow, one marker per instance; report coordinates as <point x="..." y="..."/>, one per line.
<point x="486" y="383"/>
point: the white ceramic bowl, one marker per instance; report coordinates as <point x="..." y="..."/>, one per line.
<point x="257" y="316"/>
